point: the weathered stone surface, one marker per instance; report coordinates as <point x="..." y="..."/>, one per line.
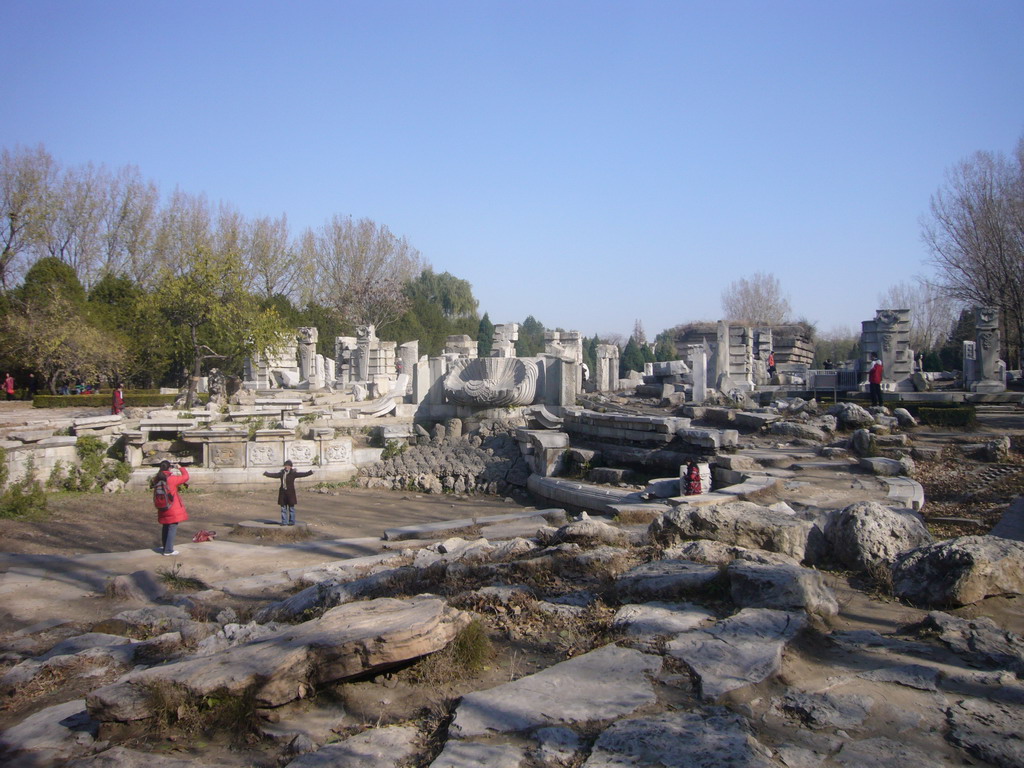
<point x="50" y="736"/>
<point x="979" y="639"/>
<point x="450" y="550"/>
<point x="868" y="534"/>
<point x="556" y="746"/>
<point x="648" y="621"/>
<point x="960" y="571"/>
<point x="780" y="586"/>
<point x="346" y="641"/>
<point x="878" y="465"/>
<point x="589" y="532"/>
<point x="607" y="683"/>
<point x="376" y="748"/>
<point x="666" y="580"/>
<point x="882" y="752"/>
<point x="333" y="592"/>
<point x="120" y="757"/>
<point x="851" y="415"/>
<point x="742" y="650"/>
<point x="140" y="585"/>
<point x="798" y="430"/>
<point x="739" y="522"/>
<point x="825" y="710"/>
<point x="711" y="738"/>
<point x="904" y="417"/>
<point x="468" y="754"/>
<point x="991" y="731"/>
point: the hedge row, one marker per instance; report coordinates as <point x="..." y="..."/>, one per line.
<point x="950" y="416"/>
<point x="131" y="399"/>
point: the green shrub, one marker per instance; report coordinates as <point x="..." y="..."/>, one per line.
<point x="25" y="498"/>
<point x="131" y="400"/>
<point x="393" y="448"/>
<point x="957" y="416"/>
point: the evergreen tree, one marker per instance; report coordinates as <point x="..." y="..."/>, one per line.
<point x="531" y="338"/>
<point x="632" y="359"/>
<point x="485" y="336"/>
<point x="665" y="348"/>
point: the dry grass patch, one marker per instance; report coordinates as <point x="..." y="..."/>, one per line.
<point x="178" y="710"/>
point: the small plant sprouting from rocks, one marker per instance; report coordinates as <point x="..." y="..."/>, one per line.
<point x="880" y="577"/>
<point x="391" y="449"/>
<point x="465" y="656"/>
<point x="174" y="580"/>
<point x="178" y="709"/>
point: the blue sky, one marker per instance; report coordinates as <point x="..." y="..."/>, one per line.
<point x="589" y="163"/>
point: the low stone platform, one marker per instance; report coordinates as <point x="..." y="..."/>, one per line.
<point x="259" y="526"/>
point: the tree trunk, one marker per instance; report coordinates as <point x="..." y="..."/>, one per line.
<point x="197" y="370"/>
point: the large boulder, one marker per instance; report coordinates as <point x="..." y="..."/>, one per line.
<point x="959" y="571"/>
<point x="798" y="430"/>
<point x="868" y="534"/>
<point x="742" y="523"/>
<point x="781" y="586"/>
<point x="851" y="415"/>
<point x="347" y="641"/>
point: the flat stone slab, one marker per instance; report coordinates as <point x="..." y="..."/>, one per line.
<point x="666" y="580"/>
<point x="648" y="621"/>
<point x="739" y="651"/>
<point x="376" y="748"/>
<point x="469" y="754"/>
<point x="50" y="736"/>
<point x="120" y="757"/>
<point x="607" y="683"/>
<point x="270" y="525"/>
<point x="712" y="738"/>
<point x="347" y="641"/>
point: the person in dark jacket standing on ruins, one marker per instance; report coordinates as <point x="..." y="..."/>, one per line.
<point x="286" y="496"/>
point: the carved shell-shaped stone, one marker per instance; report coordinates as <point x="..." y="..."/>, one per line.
<point x="491" y="382"/>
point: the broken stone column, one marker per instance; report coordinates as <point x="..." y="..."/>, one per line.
<point x="307" y="338"/>
<point x="607" y="367"/>
<point x="988" y="369"/>
<point x="698" y="360"/>
<point x="505" y="337"/>
<point x="888" y="336"/>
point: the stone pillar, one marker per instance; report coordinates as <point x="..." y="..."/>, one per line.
<point x="408" y="356"/>
<point x="307" y="338"/>
<point x="989" y="372"/>
<point x="699" y="371"/>
<point x="505" y="337"/>
<point x="607" y="367"/>
<point x="421" y="381"/>
<point x="722" y="352"/>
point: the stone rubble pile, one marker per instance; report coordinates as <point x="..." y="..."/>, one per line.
<point x="715" y="608"/>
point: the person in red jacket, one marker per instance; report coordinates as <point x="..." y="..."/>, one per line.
<point x="117" y="400"/>
<point x="165" y="481"/>
<point x="875" y="380"/>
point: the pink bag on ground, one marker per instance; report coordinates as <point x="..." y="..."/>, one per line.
<point x="204" y="536"/>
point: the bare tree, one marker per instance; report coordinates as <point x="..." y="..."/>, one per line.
<point x="129" y="220"/>
<point x="25" y="176"/>
<point x="72" y="228"/>
<point x="757" y="301"/>
<point x="184" y="228"/>
<point x="976" y="236"/>
<point x="932" y="312"/>
<point x="639" y="335"/>
<point x="361" y="269"/>
<point x="272" y="260"/>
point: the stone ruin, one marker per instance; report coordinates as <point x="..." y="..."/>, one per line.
<point x="984" y="372"/>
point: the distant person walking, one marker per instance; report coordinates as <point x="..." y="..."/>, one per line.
<point x="8" y="386"/>
<point x="771" y="364"/>
<point x="117" y="400"/>
<point x="286" y="496"/>
<point x="875" y="380"/>
<point x="33" y="386"/>
<point x="170" y="510"/>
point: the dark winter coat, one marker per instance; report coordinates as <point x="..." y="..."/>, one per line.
<point x="286" y="491"/>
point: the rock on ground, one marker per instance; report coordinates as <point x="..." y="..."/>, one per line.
<point x="868" y="534"/>
<point x="739" y="651"/>
<point x="607" y="683"/>
<point x="959" y="571"/>
<point x="346" y="641"/>
<point x="741" y="523"/>
<point x="711" y="738"/>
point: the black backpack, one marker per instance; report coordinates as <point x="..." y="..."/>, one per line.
<point x="162" y="496"/>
